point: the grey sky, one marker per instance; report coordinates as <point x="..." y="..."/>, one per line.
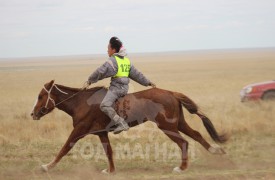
<point x="65" y="27"/>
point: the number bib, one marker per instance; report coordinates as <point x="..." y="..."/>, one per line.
<point x="124" y="66"/>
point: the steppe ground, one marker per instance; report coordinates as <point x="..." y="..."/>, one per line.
<point x="213" y="79"/>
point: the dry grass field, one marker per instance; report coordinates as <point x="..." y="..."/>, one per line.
<point x="212" y="79"/>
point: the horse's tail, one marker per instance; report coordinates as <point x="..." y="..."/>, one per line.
<point x="193" y="109"/>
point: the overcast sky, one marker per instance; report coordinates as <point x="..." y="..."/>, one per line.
<point x="72" y="27"/>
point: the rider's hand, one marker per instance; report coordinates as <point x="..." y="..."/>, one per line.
<point x="86" y="85"/>
<point x="153" y="85"/>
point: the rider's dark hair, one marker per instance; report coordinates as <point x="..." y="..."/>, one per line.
<point x="115" y="43"/>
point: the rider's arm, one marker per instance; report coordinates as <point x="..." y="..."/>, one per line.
<point x="139" y="77"/>
<point x="104" y="71"/>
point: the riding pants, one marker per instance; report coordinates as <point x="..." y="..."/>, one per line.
<point x="112" y="95"/>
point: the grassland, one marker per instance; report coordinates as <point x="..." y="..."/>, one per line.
<point x="212" y="79"/>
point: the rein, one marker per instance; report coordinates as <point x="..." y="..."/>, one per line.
<point x="56" y="104"/>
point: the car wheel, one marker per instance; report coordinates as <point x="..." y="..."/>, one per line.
<point x="269" y="95"/>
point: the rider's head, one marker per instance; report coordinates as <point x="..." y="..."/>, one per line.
<point x="114" y="46"/>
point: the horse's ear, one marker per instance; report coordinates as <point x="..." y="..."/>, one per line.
<point x="50" y="84"/>
<point x="52" y="81"/>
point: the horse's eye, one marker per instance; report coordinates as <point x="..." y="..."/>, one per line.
<point x="39" y="97"/>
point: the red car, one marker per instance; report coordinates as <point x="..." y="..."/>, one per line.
<point x="259" y="91"/>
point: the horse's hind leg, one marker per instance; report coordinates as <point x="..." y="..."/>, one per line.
<point x="108" y="150"/>
<point x="175" y="136"/>
<point x="186" y="129"/>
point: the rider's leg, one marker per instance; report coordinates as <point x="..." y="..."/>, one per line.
<point x="106" y="107"/>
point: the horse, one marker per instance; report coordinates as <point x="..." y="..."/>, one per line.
<point x="160" y="106"/>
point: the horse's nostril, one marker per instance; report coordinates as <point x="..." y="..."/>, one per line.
<point x="31" y="114"/>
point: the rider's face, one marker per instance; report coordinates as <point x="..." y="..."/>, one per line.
<point x="110" y="50"/>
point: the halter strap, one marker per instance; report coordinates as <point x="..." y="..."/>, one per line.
<point x="49" y="95"/>
<point x="52" y="100"/>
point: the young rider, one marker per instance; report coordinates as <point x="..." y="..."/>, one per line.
<point x="120" y="69"/>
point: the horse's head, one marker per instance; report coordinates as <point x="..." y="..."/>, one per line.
<point x="45" y="102"/>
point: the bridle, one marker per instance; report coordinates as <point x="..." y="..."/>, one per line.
<point x="52" y="100"/>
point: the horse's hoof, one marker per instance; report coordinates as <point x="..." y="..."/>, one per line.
<point x="222" y="151"/>
<point x="216" y="150"/>
<point x="44" y="168"/>
<point x="105" y="171"/>
<point x="177" y="170"/>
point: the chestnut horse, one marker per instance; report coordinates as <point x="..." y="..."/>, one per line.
<point x="157" y="105"/>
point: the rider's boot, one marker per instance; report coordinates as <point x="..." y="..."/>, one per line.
<point x="122" y="125"/>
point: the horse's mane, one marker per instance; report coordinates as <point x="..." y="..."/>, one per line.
<point x="94" y="89"/>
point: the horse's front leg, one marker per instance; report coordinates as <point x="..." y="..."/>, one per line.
<point x="108" y="150"/>
<point x="76" y="134"/>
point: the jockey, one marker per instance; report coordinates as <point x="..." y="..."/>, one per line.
<point x="120" y="69"/>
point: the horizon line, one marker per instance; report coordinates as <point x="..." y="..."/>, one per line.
<point x="140" y="53"/>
